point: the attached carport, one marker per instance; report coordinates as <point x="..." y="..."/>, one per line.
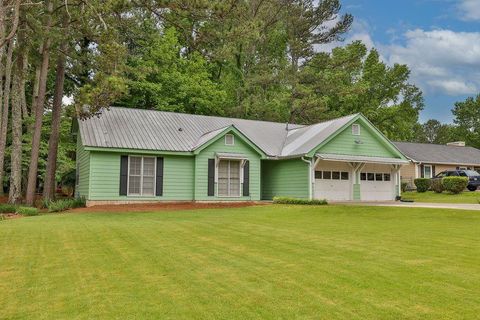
<point x="339" y="177"/>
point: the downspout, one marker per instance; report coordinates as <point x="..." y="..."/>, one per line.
<point x="309" y="177"/>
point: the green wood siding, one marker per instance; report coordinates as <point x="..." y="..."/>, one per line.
<point x="105" y="177"/>
<point x="285" y="178"/>
<point x="83" y="167"/>
<point x="344" y="143"/>
<point x="201" y="169"/>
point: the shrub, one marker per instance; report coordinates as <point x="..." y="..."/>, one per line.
<point x="7" y="208"/>
<point x="437" y="186"/>
<point x="27" y="211"/>
<point x="65" y="204"/>
<point x="404" y="186"/>
<point x="422" y="184"/>
<point x="287" y="200"/>
<point x="455" y="184"/>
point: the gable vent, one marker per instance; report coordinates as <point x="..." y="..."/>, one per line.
<point x="356" y="129"/>
<point x="229" y="140"/>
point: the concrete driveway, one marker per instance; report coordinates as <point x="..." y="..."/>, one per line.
<point x="457" y="206"/>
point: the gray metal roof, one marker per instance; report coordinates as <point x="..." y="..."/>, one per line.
<point x="167" y="131"/>
<point x="439" y="154"/>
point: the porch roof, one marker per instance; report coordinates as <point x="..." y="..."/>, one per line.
<point x="363" y="159"/>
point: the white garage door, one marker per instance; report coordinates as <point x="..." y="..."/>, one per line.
<point x="332" y="184"/>
<point x="376" y="186"/>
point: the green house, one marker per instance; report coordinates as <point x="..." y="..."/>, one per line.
<point x="131" y="155"/>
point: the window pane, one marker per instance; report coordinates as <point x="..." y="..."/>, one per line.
<point x="135" y="165"/>
<point x="148" y="186"/>
<point x="327" y="174"/>
<point x="386" y="177"/>
<point x="134" y="185"/>
<point x="427" y="171"/>
<point x="318" y="174"/>
<point x="363" y="176"/>
<point x="223" y="178"/>
<point x="370" y="176"/>
<point x="378" y="177"/>
<point x="149" y="167"/>
<point x="234" y="178"/>
<point x="344" y="175"/>
<point x="336" y="175"/>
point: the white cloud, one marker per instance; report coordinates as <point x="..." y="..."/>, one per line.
<point x="441" y="61"/>
<point x="469" y="10"/>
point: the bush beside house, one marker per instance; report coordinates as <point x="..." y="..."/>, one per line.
<point x="455" y="185"/>
<point x="437" y="186"/>
<point x="422" y="184"/>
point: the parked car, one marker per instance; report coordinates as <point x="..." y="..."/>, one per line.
<point x="473" y="177"/>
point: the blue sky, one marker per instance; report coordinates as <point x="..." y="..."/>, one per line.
<point x="438" y="39"/>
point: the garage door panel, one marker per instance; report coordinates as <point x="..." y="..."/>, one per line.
<point x="376" y="185"/>
<point x="333" y="183"/>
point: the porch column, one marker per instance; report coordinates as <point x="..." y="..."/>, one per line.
<point x="397" y="179"/>
<point x="357" y="167"/>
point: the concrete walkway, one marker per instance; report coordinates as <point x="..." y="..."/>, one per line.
<point x="457" y="206"/>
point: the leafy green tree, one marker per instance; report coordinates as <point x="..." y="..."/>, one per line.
<point x="467" y="118"/>
<point x="433" y="131"/>
<point x="161" y="77"/>
<point x="352" y="79"/>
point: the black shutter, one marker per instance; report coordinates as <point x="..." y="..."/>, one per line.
<point x="159" y="178"/>
<point x="422" y="174"/>
<point x="433" y="171"/>
<point x="246" y="179"/>
<point x="211" y="177"/>
<point x="123" y="175"/>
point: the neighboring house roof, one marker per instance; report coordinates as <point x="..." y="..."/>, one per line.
<point x="127" y="128"/>
<point x="439" y="154"/>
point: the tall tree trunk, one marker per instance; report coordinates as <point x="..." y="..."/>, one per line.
<point x="5" y="109"/>
<point x="18" y="101"/>
<point x="39" y="106"/>
<point x="15" y="194"/>
<point x="2" y="51"/>
<point x="36" y="85"/>
<point x="49" y="183"/>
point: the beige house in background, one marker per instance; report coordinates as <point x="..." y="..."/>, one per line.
<point x="427" y="160"/>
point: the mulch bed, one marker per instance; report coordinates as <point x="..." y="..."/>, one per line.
<point x="145" y="207"/>
<point x="10" y="216"/>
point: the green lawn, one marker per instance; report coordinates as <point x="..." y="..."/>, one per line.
<point x="444" y="197"/>
<point x="329" y="262"/>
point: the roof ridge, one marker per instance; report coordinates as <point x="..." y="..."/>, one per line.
<point x="235" y="118"/>
<point x="207" y="116"/>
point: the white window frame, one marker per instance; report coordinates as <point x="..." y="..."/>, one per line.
<point x="431" y="171"/>
<point x="355" y="126"/>
<point x="240" y="168"/>
<point x="141" y="178"/>
<point x="233" y="139"/>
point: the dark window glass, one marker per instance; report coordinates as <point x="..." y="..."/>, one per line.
<point x="344" y="175"/>
<point x="363" y="176"/>
<point x="462" y="174"/>
<point x="336" y="175"/>
<point x="370" y="176"/>
<point x="386" y="177"/>
<point x="327" y="174"/>
<point x="378" y="176"/>
<point x="452" y="174"/>
<point x="318" y="174"/>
